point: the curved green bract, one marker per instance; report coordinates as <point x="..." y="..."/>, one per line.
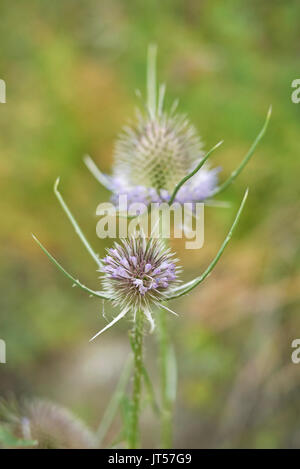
<point x="75" y="224"/>
<point x="187" y="287"/>
<point x="69" y="276"/>
<point x="192" y="173"/>
<point x="246" y="159"/>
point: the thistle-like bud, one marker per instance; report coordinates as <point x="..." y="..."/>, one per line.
<point x="138" y="274"/>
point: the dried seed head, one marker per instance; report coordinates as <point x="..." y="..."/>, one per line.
<point x="52" y="426"/>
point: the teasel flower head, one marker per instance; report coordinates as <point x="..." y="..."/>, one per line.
<point x="159" y="156"/>
<point x="47" y="425"/>
<point x="154" y="154"/>
<point x="156" y="151"/>
<point x="139" y="274"/>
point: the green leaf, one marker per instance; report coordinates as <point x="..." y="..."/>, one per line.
<point x="150" y="392"/>
<point x="114" y="403"/>
<point x="126" y="412"/>
<point x="171" y="382"/>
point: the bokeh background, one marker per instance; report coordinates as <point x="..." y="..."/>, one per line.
<point x="71" y="69"/>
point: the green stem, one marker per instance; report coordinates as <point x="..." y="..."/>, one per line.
<point x="151" y="80"/>
<point x="167" y="404"/>
<point x="137" y="347"/>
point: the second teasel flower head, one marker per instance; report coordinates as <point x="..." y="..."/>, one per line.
<point x="139" y="274"/>
<point x="158" y="158"/>
<point x="155" y="152"/>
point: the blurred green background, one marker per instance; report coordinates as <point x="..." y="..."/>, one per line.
<point x="71" y="69"/>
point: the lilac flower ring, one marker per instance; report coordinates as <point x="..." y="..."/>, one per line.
<point x="139" y="274"/>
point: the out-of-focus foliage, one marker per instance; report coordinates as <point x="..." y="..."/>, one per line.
<point x="71" y="69"/>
